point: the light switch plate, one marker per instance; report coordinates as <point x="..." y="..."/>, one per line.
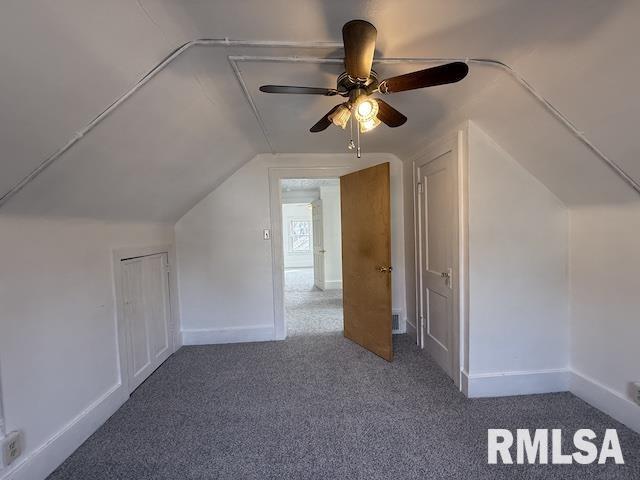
<point x="11" y="447"/>
<point x="266" y="234"/>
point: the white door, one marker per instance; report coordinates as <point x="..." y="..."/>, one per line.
<point x="318" y="244"/>
<point x="438" y="231"/>
<point x="145" y="292"/>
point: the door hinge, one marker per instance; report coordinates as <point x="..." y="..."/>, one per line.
<point x="419" y="187"/>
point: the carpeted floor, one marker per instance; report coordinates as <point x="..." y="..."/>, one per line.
<point x="320" y="407"/>
<point x="308" y="310"/>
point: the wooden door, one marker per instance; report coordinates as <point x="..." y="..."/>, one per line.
<point x="318" y="244"/>
<point x="145" y="290"/>
<point x="366" y="258"/>
<point x="438" y="228"/>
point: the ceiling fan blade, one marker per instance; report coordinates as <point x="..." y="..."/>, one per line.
<point x="329" y="92"/>
<point x="324" y="122"/>
<point x="389" y="115"/>
<point x="359" y="39"/>
<point x="429" y="77"/>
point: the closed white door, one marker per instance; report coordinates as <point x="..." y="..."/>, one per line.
<point x="438" y="230"/>
<point x="145" y="285"/>
<point x="318" y="244"/>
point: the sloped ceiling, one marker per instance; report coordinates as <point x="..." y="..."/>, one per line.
<point x="191" y="127"/>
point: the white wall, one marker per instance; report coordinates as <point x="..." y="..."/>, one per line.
<point x="300" y="196"/>
<point x="225" y="267"/>
<point x="516" y="340"/>
<point x="58" y="347"/>
<point x="518" y="276"/>
<point x="332" y="236"/>
<point x="602" y="285"/>
<point x="569" y="323"/>
<point x="605" y="307"/>
<point x="295" y="211"/>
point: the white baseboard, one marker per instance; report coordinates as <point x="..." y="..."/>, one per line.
<point x="603" y="398"/>
<point x="515" y="383"/>
<point x="333" y="285"/>
<point x="39" y="463"/>
<point x="213" y="336"/>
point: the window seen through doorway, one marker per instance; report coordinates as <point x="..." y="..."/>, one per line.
<point x="300" y="236"/>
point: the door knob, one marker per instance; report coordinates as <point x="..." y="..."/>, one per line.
<point x="447" y="277"/>
<point x="383" y="269"/>
<point x="322" y="251"/>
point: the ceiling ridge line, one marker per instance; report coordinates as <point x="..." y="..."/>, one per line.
<point x="238" y="73"/>
<point x="220" y="42"/>
<point x="226" y="42"/>
<point x="579" y="134"/>
<point x="146" y="13"/>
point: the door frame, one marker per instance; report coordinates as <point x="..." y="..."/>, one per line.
<point x="2" y="421"/>
<point x="277" y="254"/>
<point x="123" y="332"/>
<point x="317" y="203"/>
<point x="456" y="143"/>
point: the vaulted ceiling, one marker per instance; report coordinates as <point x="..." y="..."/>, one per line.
<point x="191" y="126"/>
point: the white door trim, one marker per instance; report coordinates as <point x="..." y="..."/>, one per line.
<point x="2" y="426"/>
<point x="458" y="143"/>
<point x="318" y="244"/>
<point x="275" y="206"/>
<point x="120" y="254"/>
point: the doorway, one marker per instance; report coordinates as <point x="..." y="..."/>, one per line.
<point x="365" y="245"/>
<point x="312" y="254"/>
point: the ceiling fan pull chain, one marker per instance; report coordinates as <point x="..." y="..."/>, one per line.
<point x="358" y="152"/>
<point x="351" y="145"/>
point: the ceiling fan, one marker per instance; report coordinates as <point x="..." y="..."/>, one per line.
<point x="359" y="82"/>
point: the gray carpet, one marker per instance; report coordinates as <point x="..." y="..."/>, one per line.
<point x="320" y="407"/>
<point x="308" y="310"/>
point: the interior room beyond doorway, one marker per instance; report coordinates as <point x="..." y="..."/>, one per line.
<point x="312" y="256"/>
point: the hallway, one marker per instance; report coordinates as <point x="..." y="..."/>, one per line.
<point x="309" y="310"/>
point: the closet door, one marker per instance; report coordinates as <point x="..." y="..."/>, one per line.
<point x="145" y="285"/>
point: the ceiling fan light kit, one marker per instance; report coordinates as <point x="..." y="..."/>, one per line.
<point x="341" y="116"/>
<point x="368" y="125"/>
<point x="366" y="109"/>
<point x="358" y="82"/>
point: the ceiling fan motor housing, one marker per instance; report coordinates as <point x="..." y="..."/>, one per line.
<point x="346" y="84"/>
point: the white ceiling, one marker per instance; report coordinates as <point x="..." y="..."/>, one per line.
<point x="192" y="126"/>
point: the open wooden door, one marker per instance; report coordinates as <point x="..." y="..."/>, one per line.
<point x="366" y="258"/>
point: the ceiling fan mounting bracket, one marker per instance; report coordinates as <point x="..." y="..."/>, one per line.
<point x="345" y="83"/>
